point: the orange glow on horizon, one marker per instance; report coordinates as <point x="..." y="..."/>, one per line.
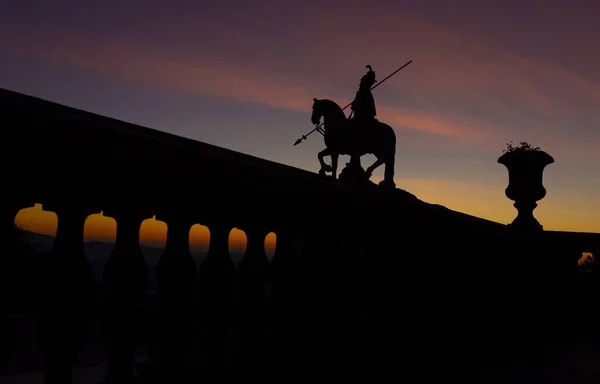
<point x="489" y="202"/>
<point x="102" y="228"/>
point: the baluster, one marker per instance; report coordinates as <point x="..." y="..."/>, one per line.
<point x="593" y="293"/>
<point x="216" y="281"/>
<point x="7" y="265"/>
<point x="9" y="213"/>
<point x="287" y="287"/>
<point x="253" y="276"/>
<point x="319" y="301"/>
<point x="125" y="277"/>
<point x="176" y="275"/>
<point x="67" y="295"/>
<point x="353" y="293"/>
<point x="282" y="264"/>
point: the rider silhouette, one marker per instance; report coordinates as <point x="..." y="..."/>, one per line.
<point x="363" y="106"/>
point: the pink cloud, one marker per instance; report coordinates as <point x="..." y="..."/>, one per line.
<point x="452" y="74"/>
<point x="216" y="77"/>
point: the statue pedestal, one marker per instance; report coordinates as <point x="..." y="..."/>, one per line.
<point x="355" y="176"/>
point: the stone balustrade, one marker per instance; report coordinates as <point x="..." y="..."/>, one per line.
<point x="354" y="271"/>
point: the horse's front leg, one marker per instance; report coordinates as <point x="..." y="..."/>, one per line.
<point x="324" y="167"/>
<point x="334" y="164"/>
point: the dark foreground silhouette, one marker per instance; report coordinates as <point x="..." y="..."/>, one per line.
<point x="365" y="283"/>
<point x="391" y="320"/>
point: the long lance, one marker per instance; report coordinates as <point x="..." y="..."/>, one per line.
<point x="318" y="127"/>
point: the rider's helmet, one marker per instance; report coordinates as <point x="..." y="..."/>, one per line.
<point x="369" y="79"/>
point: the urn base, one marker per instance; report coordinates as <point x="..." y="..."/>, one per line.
<point x="525" y="221"/>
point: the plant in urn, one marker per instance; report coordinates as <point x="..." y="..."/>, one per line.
<point x="525" y="166"/>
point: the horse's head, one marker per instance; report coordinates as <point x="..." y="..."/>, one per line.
<point x="331" y="113"/>
<point x="317" y="111"/>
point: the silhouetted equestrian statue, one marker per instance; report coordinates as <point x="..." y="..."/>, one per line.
<point x="357" y="136"/>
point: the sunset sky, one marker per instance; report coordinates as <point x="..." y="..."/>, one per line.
<point x="242" y="75"/>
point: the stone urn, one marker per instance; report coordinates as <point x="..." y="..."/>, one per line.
<point x="525" y="188"/>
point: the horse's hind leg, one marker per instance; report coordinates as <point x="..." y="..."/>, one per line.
<point x="369" y="171"/>
<point x="324" y="167"/>
<point x="388" y="175"/>
<point x="334" y="164"/>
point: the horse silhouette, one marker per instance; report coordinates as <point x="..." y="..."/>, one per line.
<point x="341" y="138"/>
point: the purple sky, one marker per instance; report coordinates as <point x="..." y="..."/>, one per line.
<point x="242" y="75"/>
